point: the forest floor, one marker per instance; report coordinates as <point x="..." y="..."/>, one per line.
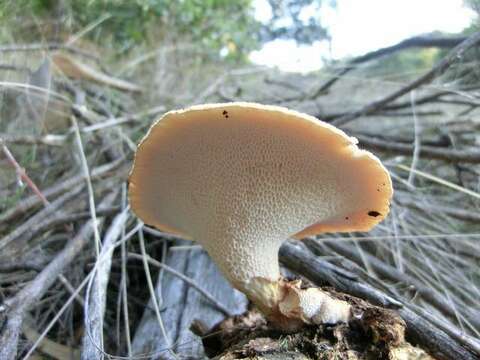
<point x="68" y="135"/>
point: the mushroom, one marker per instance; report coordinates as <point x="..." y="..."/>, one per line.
<point x="241" y="178"/>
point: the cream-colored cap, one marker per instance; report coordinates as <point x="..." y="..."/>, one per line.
<point x="240" y="178"/>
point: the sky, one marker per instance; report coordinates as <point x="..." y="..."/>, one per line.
<point x="360" y="26"/>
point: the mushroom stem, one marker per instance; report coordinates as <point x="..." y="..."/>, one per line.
<point x="242" y="257"/>
<point x="285" y="304"/>
<point x="289" y="307"/>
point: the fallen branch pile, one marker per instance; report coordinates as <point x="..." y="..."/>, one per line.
<point x="70" y="249"/>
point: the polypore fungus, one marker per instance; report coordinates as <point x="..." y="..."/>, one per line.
<point x="241" y="178"/>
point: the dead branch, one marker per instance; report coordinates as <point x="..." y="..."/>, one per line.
<point x="393" y="274"/>
<point x="436" y="71"/>
<point x="414" y="42"/>
<point x="389" y="109"/>
<point x="186" y="279"/>
<point x="95" y="305"/>
<point x="57" y="219"/>
<point x="27" y="226"/>
<point x="16" y="308"/>
<point x="449" y="155"/>
<point x="75" y="69"/>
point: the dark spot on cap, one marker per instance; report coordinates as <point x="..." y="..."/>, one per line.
<point x="378" y="190"/>
<point x="346" y="218"/>
<point x="374" y="213"/>
<point x="225" y="112"/>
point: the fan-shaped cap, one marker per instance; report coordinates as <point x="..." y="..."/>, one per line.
<point x="248" y="176"/>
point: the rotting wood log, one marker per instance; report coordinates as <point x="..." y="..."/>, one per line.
<point x="419" y="329"/>
<point x="180" y="306"/>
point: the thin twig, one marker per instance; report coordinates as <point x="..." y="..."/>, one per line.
<point x="441" y="181"/>
<point x="86" y="172"/>
<point x="432" y="152"/>
<point x="123" y="281"/>
<point x="186" y="279"/>
<point x="23" y="232"/>
<point x="62" y="186"/>
<point x="49" y="139"/>
<point x="152" y="292"/>
<point x="21" y="173"/>
<point x="389" y="272"/>
<point x="417" y="144"/>
<point x="30" y="294"/>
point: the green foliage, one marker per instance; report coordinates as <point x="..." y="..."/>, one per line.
<point x="228" y="27"/>
<point x="211" y="24"/>
<point x="9" y="8"/>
